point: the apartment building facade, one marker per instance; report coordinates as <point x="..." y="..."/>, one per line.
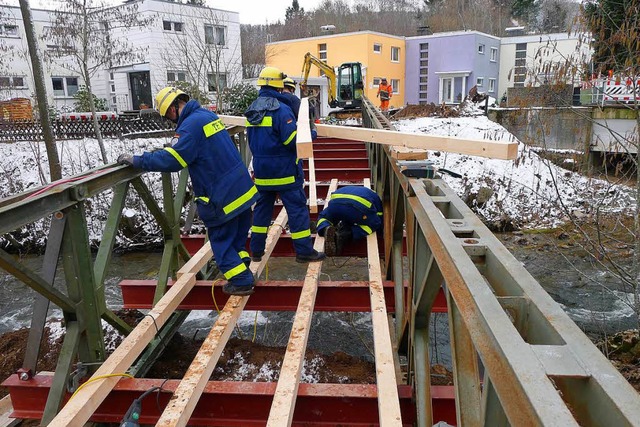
<point x="443" y="67"/>
<point x="381" y="55"/>
<point x="182" y="42"/>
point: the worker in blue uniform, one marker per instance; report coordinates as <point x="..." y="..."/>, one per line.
<point x="271" y="130"/>
<point x="353" y="213"/>
<point x="289" y="91"/>
<point x="224" y="191"/>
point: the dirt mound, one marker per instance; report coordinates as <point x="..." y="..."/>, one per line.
<point x="428" y="110"/>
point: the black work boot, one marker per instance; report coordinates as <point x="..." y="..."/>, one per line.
<point x="313" y="256"/>
<point x="239" y="290"/>
<point x="330" y="241"/>
<point x="343" y="237"/>
<point x="257" y="257"/>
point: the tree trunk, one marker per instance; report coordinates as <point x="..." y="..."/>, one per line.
<point x="55" y="170"/>
<point x="92" y="106"/>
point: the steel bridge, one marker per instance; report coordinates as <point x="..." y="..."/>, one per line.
<point x="517" y="357"/>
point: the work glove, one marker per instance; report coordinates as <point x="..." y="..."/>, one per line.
<point x="125" y="159"/>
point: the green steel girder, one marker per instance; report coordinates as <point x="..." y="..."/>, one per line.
<point x="25" y="208"/>
<point x="35" y="282"/>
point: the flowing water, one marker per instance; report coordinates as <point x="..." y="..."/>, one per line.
<point x="591" y="298"/>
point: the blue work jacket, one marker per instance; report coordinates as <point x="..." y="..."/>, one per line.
<point x="221" y="183"/>
<point x="271" y="129"/>
<point x="355" y="205"/>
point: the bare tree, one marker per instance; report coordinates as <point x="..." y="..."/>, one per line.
<point x="88" y="36"/>
<point x="209" y="58"/>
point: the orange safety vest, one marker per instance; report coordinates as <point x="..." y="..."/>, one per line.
<point x="385" y="92"/>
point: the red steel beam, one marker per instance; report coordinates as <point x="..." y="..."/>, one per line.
<point x="235" y="403"/>
<point x="348" y="296"/>
<point x="340" y="163"/>
<point x="352" y="174"/>
<point x="339" y="153"/>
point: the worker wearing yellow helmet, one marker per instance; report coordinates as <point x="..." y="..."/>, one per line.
<point x="289" y="91"/>
<point x="223" y="189"/>
<point x="271" y="129"/>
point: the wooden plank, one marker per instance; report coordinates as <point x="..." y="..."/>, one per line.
<point x="284" y="399"/>
<point x="313" y="195"/>
<point x="233" y="120"/>
<point x="388" y="399"/>
<point x="475" y="147"/>
<point x="197" y="261"/>
<point x="304" y="146"/>
<point x="184" y="399"/>
<point x="78" y="410"/>
<point x="403" y="153"/>
<point x="6" y="408"/>
<point x="506" y="150"/>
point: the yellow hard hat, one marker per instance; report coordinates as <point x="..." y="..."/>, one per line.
<point x="166" y="96"/>
<point x="289" y="82"/>
<point x="271" y="76"/>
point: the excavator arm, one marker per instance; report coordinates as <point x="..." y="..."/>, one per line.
<point x="330" y="74"/>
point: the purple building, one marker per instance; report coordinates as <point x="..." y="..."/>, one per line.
<point x="443" y="67"/>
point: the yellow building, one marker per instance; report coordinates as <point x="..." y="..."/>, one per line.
<point x="381" y="55"/>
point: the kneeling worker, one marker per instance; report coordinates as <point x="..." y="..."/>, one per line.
<point x="221" y="182"/>
<point x="353" y="213"/>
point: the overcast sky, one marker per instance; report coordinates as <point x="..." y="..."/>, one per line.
<point x="255" y="12"/>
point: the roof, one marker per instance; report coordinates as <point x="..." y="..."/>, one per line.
<point x="332" y="36"/>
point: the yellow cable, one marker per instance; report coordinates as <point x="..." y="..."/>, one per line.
<point x="101" y="377"/>
<point x="213" y="284"/>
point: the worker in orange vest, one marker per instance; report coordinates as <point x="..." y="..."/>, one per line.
<point x="384" y="92"/>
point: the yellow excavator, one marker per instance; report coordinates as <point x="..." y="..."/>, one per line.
<point x="346" y="87"/>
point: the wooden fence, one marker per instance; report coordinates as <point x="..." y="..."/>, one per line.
<point x="122" y="127"/>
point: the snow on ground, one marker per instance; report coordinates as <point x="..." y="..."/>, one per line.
<point x="529" y="192"/>
<point x="521" y="192"/>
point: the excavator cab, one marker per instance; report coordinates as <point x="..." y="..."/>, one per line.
<point x="350" y="85"/>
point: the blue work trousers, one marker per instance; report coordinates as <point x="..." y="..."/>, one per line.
<point x="228" y="242"/>
<point x="295" y="201"/>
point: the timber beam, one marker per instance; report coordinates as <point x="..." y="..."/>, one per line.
<point x="506" y="150"/>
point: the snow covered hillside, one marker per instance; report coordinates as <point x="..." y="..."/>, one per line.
<point x="529" y="192"/>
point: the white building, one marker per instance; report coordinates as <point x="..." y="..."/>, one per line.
<point x="182" y="42"/>
<point x="533" y="60"/>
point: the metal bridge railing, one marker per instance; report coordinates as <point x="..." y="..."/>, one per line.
<point x="83" y="301"/>
<point x="518" y="359"/>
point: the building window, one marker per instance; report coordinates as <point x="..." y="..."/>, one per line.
<point x="520" y="65"/>
<point x="377" y="48"/>
<point x="220" y="85"/>
<point x="395" y="84"/>
<point x="15" y="82"/>
<point x="395" y="54"/>
<point x="424" y="79"/>
<point x="494" y="54"/>
<point x="481" y="49"/>
<point x="492" y="85"/>
<point x="8" y="30"/>
<point x="176" y="76"/>
<point x="424" y="46"/>
<point x="64" y="87"/>
<point x="172" y="26"/>
<point x="424" y="54"/>
<point x="215" y="34"/>
<point x="322" y="51"/>
<point x="423" y="88"/>
<point x="479" y="81"/>
<point x="376" y="81"/>
<point x="424" y="63"/>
